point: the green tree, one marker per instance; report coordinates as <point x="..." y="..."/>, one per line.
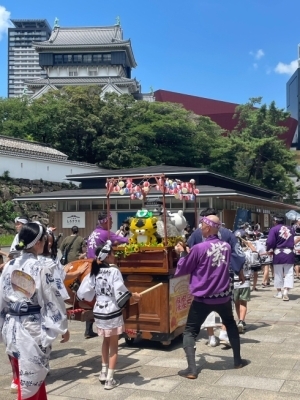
<point x="68" y="120"/>
<point x="256" y="149"/>
<point x="14" y="117"/>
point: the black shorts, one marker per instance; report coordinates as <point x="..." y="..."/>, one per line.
<point x="297" y="259"/>
<point x="255" y="268"/>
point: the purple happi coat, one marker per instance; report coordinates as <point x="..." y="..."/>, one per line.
<point x="207" y="263"/>
<point x="281" y="242"/>
<point x="100" y="236"/>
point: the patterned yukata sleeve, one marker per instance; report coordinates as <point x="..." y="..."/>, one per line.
<point x="53" y="310"/>
<point x="121" y="292"/>
<point x="3" y="306"/>
<point x="86" y="290"/>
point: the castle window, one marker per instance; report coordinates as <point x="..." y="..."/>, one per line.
<point x="68" y="58"/>
<point x="77" y="58"/>
<point x="93" y="72"/>
<point x="58" y="59"/>
<point x="97" y="57"/>
<point x="87" y="58"/>
<point x="73" y="72"/>
<point x="107" y="57"/>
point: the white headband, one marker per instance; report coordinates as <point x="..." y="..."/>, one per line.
<point x="104" y="251"/>
<point x="21" y="220"/>
<point x="37" y="238"/>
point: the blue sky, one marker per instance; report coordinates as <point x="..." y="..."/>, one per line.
<point x="222" y="49"/>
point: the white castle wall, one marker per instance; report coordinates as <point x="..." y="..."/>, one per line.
<point x="53" y="171"/>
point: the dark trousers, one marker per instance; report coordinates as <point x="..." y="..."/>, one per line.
<point x="197" y="315"/>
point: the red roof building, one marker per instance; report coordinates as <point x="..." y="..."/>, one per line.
<point x="221" y="112"/>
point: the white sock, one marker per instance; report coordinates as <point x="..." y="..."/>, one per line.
<point x="211" y="338"/>
<point x="104" y="368"/>
<point x="285" y="292"/>
<point x="110" y="374"/>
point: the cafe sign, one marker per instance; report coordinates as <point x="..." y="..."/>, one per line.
<point x="73" y="218"/>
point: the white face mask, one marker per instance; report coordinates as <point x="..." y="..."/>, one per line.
<point x="200" y="225"/>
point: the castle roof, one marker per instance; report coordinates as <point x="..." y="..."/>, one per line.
<point x="10" y="145"/>
<point x="68" y="81"/>
<point x="108" y="37"/>
<point x="26" y="149"/>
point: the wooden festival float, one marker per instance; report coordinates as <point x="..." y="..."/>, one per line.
<point x="148" y="262"/>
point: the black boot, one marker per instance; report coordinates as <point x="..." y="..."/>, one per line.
<point x="89" y="333"/>
<point x="191" y="371"/>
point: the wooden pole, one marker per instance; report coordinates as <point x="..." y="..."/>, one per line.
<point x="195" y="207"/>
<point x="165" y="210"/>
<point x="152" y="288"/>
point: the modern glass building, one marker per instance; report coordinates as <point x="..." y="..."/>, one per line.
<point x="23" y="60"/>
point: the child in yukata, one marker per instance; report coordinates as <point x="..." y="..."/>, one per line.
<point x="106" y="283"/>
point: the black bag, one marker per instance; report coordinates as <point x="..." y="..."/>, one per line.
<point x="64" y="258"/>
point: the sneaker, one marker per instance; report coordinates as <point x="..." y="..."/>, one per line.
<point x="102" y="377"/>
<point x="240" y="327"/>
<point x="213" y="342"/>
<point x="278" y="295"/>
<point x="13" y="388"/>
<point x="224" y="340"/>
<point x="285" y="296"/>
<point x="111" y="384"/>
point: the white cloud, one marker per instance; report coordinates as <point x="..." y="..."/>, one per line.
<point x="255" y="65"/>
<point x="257" y="54"/>
<point x="288" y="69"/>
<point x="4" y="21"/>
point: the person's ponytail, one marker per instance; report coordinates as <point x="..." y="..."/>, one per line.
<point x="29" y="235"/>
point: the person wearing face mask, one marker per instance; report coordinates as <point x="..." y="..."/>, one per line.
<point x="208" y="266"/>
<point x="237" y="260"/>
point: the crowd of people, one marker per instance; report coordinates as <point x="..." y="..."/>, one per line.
<point x="221" y="264"/>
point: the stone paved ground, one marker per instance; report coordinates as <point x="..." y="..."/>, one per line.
<point x="149" y="371"/>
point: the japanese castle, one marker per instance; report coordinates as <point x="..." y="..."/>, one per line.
<point x="87" y="56"/>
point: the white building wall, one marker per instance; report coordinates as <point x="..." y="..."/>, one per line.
<point x="53" y="171"/>
<point x="83" y="71"/>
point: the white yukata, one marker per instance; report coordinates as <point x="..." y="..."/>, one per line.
<point x="58" y="273"/>
<point x="28" y="337"/>
<point x="111" y="296"/>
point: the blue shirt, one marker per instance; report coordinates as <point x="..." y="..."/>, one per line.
<point x="237" y="258"/>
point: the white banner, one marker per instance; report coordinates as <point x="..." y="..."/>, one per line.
<point x="73" y="218"/>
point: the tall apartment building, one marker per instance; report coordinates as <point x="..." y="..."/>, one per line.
<point x="23" y="60"/>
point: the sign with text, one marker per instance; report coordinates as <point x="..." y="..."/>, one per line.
<point x="266" y="221"/>
<point x="73" y="218"/>
<point x="180" y="300"/>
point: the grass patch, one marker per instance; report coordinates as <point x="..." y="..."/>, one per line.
<point x="6" y="240"/>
